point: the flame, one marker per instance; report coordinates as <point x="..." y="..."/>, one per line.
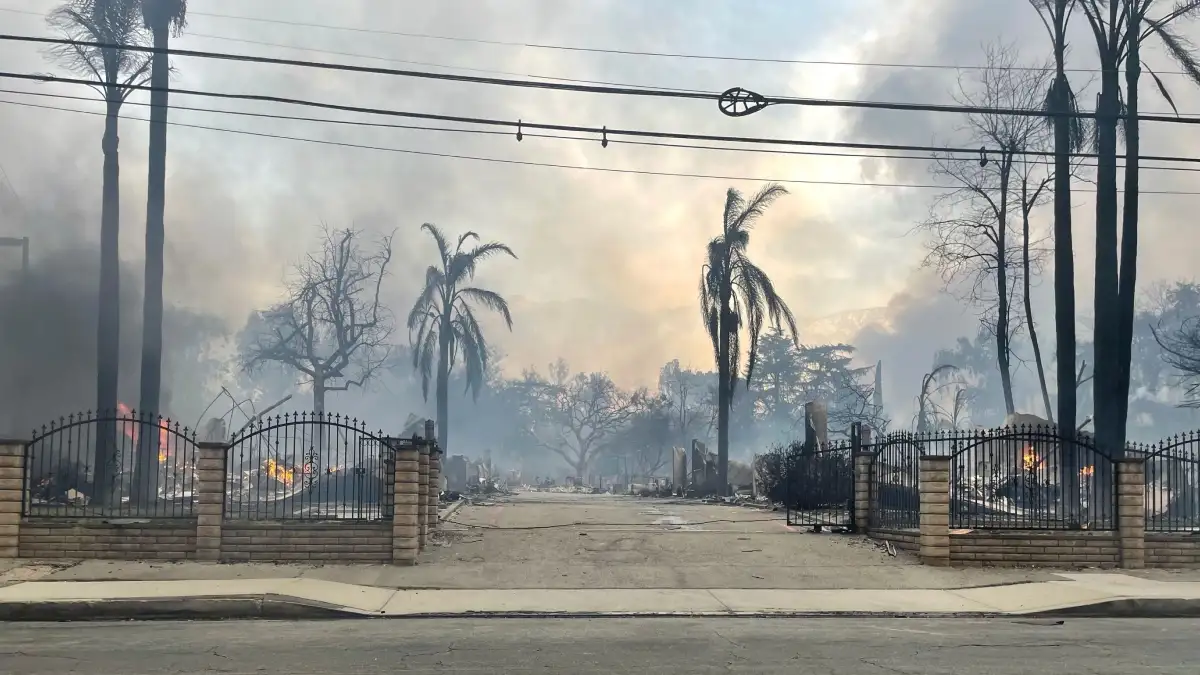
<point x="124" y="411"/>
<point x="1087" y="471"/>
<point x="279" y="472"/>
<point x="1030" y="459"/>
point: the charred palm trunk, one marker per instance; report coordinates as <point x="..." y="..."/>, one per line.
<point x="1106" y="383"/>
<point x="108" y="328"/>
<point x="1127" y="279"/>
<point x="443" y="381"/>
<point x="145" y="484"/>
<point x="1064" y="270"/>
<point x="725" y="377"/>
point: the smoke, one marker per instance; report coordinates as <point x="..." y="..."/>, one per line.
<point x="608" y="261"/>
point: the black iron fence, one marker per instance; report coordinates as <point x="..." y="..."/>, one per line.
<point x="1026" y="478"/>
<point x="1173" y="484"/>
<point x="111" y="464"/>
<point x="310" y="466"/>
<point x="819" y="485"/>
<point x="895" y="496"/>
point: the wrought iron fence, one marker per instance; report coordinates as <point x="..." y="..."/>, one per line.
<point x="309" y="466"/>
<point x="1026" y="478"/>
<point x="895" y="496"/>
<point x="819" y="485"/>
<point x="112" y="464"/>
<point x="1173" y="484"/>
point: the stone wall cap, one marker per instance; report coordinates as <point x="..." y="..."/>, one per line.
<point x="213" y="445"/>
<point x="7" y="440"/>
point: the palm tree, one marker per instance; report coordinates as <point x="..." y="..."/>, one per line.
<point x="1120" y="27"/>
<point x="735" y="294"/>
<point x="163" y="18"/>
<point x="1068" y="138"/>
<point x="110" y="22"/>
<point x="442" y="324"/>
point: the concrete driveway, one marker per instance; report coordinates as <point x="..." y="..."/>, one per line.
<point x="555" y="540"/>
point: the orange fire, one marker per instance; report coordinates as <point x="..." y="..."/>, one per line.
<point x="124" y="411"/>
<point x="279" y="472"/>
<point x="1087" y="471"/>
<point x="1030" y="459"/>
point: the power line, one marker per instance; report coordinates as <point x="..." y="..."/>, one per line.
<point x="384" y="59"/>
<point x="620" y="52"/>
<point x="625" y="52"/>
<point x="550" y="165"/>
<point x="591" y="130"/>
<point x="592" y="89"/>
<point x="519" y="126"/>
<point x="429" y="64"/>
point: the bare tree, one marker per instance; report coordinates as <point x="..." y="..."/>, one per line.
<point x="332" y="329"/>
<point x="972" y="242"/>
<point x="686" y="401"/>
<point x="1181" y="351"/>
<point x="580" y="413"/>
<point x="929" y="413"/>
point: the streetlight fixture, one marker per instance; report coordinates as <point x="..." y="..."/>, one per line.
<point x="738" y="102"/>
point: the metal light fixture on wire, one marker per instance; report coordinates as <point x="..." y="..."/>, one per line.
<point x="738" y="102"/>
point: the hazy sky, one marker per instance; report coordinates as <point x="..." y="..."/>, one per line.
<point x="609" y="262"/>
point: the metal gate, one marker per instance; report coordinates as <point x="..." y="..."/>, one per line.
<point x="820" y="488"/>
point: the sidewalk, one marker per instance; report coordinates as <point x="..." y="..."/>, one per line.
<point x="1076" y="594"/>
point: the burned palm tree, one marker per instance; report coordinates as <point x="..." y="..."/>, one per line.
<point x="736" y="296"/>
<point x="109" y="23"/>
<point x="162" y="18"/>
<point x="1069" y="138"/>
<point x="442" y="323"/>
<point x="1120" y="29"/>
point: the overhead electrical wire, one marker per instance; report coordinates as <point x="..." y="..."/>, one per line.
<point x="619" y="52"/>
<point x="584" y="88"/>
<point x="627" y="52"/>
<point x="385" y="59"/>
<point x="573" y="167"/>
<point x="932" y="156"/>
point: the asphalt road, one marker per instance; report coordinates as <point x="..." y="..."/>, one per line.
<point x="608" y="646"/>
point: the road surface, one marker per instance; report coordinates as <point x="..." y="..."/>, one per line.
<point x="605" y="646"/>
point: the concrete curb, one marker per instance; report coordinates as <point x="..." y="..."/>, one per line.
<point x="1132" y="608"/>
<point x="279" y="607"/>
<point x="268" y="606"/>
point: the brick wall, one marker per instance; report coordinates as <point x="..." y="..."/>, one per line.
<point x="173" y="539"/>
<point x="905" y="540"/>
<point x="1172" y="550"/>
<point x="342" y="542"/>
<point x="1050" y="549"/>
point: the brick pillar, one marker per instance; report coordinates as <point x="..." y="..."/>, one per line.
<point x="406" y="526"/>
<point x="210" y="498"/>
<point x="864" y="463"/>
<point x="935" y="510"/>
<point x="12" y="494"/>
<point x="423" y="495"/>
<point x="435" y="487"/>
<point x="1131" y="512"/>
